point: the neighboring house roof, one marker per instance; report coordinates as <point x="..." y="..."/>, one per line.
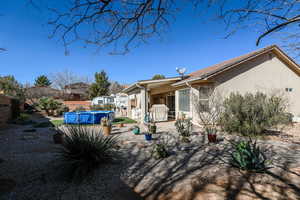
<point x="208" y="72"/>
<point x="77" y="88"/>
<point x="77" y="85"/>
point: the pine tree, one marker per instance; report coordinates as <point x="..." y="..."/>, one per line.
<point x="42" y="81"/>
<point x="10" y="86"/>
<point x="101" y="85"/>
<point x="158" y="76"/>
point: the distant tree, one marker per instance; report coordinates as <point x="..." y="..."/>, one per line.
<point x="10" y="86"/>
<point x="115" y="87"/>
<point x="42" y="81"/>
<point x="158" y="76"/>
<point x="61" y="79"/>
<point x="101" y="85"/>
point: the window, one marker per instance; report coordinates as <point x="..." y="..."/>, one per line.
<point x="288" y="89"/>
<point x="100" y="101"/>
<point x="204" y="93"/>
<point x="184" y="100"/>
<point x="110" y="100"/>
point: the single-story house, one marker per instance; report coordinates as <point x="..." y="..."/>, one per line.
<point x="264" y="70"/>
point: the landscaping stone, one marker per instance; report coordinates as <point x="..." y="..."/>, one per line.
<point x="202" y="172"/>
<point x="6" y="185"/>
<point x="29" y="136"/>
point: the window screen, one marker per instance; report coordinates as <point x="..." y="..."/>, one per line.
<point x="184" y="100"/>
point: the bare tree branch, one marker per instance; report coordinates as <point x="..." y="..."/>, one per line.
<point x="104" y="22"/>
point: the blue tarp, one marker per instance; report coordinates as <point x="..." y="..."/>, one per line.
<point x="87" y="117"/>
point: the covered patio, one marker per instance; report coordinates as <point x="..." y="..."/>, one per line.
<point x="156" y="97"/>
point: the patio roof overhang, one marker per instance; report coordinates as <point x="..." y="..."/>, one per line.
<point x="149" y="84"/>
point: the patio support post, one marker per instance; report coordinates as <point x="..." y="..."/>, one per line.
<point x="144" y="103"/>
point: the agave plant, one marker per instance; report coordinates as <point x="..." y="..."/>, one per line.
<point x="84" y="149"/>
<point x="247" y="155"/>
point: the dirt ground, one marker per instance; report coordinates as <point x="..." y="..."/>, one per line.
<point x="195" y="171"/>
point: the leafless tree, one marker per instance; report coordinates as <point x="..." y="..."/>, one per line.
<point x="66" y="77"/>
<point x="267" y="16"/>
<point x="124" y="24"/>
<point x="115" y="87"/>
<point x="208" y="107"/>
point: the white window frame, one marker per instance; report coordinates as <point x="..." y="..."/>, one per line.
<point x="189" y="100"/>
<point x="204" y="99"/>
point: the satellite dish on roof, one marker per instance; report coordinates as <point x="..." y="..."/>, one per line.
<point x="181" y="71"/>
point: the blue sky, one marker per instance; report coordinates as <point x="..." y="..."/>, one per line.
<point x="189" y="43"/>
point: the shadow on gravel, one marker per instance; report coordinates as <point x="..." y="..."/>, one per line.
<point x="203" y="173"/>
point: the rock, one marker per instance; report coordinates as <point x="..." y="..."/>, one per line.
<point x="6" y="185"/>
<point x="29" y="136"/>
<point x="140" y="145"/>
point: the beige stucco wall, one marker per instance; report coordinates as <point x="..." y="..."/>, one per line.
<point x="266" y="73"/>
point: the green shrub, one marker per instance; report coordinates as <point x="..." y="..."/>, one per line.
<point x="61" y="110"/>
<point x="184" y="127"/>
<point x="248" y="156"/>
<point x="160" y="147"/>
<point x="85" y="149"/>
<point x="79" y="108"/>
<point x="253" y="113"/>
<point x="23" y="119"/>
<point x="49" y="105"/>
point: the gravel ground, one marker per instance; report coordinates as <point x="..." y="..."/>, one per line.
<point x="29" y="160"/>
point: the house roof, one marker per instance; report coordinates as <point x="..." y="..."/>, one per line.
<point x="210" y="71"/>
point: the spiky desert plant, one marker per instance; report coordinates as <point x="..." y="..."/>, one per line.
<point x="184" y="127"/>
<point x="160" y="148"/>
<point x="247" y="155"/>
<point x="84" y="149"/>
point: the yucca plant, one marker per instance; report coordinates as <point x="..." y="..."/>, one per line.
<point x="84" y="149"/>
<point x="247" y="155"/>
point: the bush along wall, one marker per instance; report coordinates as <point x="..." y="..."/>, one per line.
<point x="252" y="114"/>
